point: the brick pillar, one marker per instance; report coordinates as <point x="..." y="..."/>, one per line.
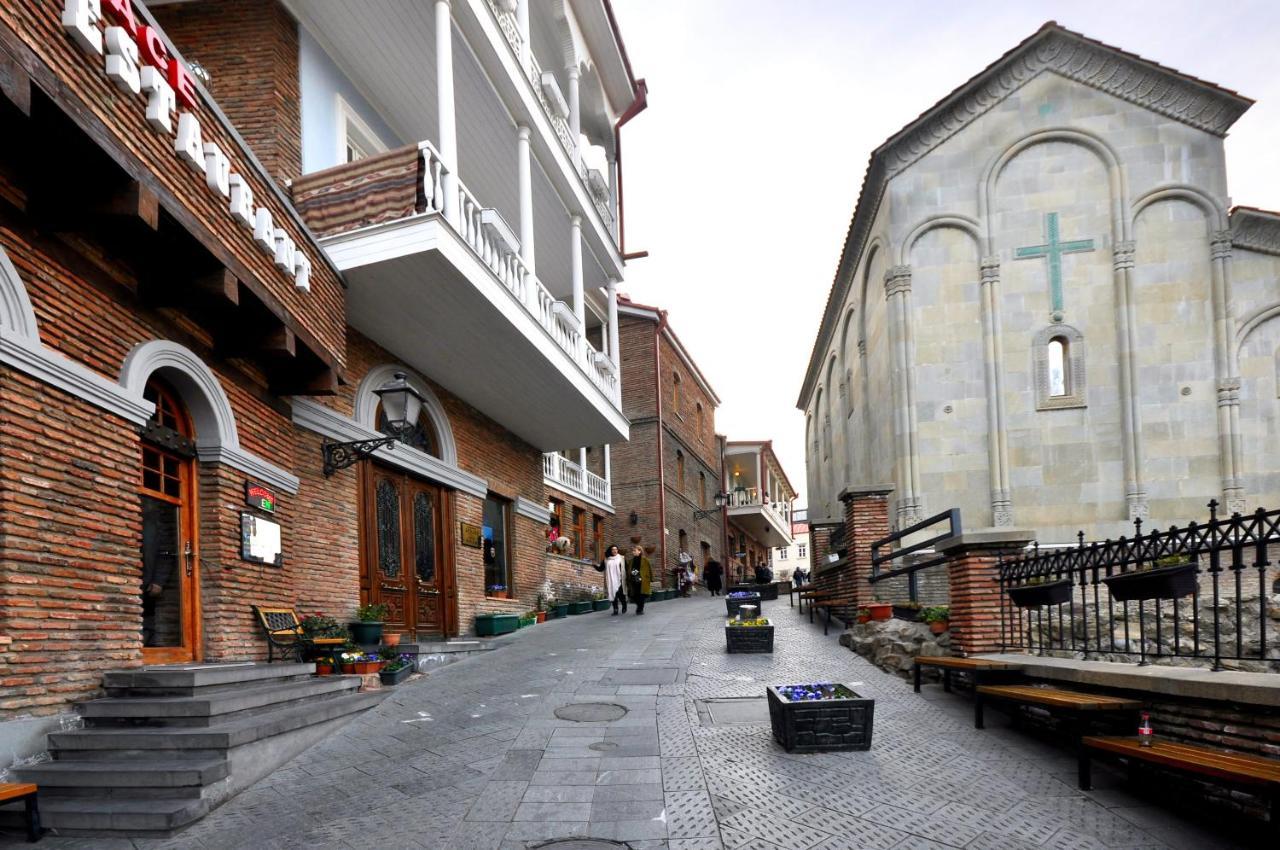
<point x="866" y="519"/>
<point x="972" y="568"/>
<point x="819" y="546"/>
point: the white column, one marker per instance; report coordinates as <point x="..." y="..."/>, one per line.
<point x="614" y="354"/>
<point x="582" y="462"/>
<point x="613" y="194"/>
<point x="522" y="22"/>
<point x="444" y="100"/>
<point x="608" y="471"/>
<point x="575" y="264"/>
<point x="524" y="168"/>
<point x="575" y="111"/>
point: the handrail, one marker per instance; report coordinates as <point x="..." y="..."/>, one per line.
<point x="952" y="517"/>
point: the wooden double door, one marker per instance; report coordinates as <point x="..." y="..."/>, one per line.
<point x="407" y="553"/>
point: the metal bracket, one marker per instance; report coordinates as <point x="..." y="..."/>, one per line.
<point x="341" y="455"/>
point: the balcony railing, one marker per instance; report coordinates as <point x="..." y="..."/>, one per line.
<point x="567" y="475"/>
<point x="411" y="181"/>
<point x="780" y="512"/>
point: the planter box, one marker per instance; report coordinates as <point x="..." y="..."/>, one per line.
<point x="731" y="605"/>
<point x="902" y="612"/>
<point x="542" y="616"/>
<point x="601" y="605"/>
<point x="764" y="591"/>
<point x="821" y="725"/>
<point x="579" y="607"/>
<point x="1161" y="583"/>
<point x="748" y="638"/>
<point x="525" y="622"/>
<point x="560" y="609"/>
<point x="395" y="677"/>
<point x="1047" y="593"/>
<point x="880" y="610"/>
<point x="488" y="625"/>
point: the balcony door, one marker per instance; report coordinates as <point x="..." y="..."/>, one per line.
<point x="406" y="556"/>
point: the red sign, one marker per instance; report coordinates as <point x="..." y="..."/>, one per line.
<point x="257" y="496"/>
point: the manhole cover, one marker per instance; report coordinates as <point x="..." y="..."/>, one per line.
<point x="591" y="712"/>
<point x="582" y="844"/>
<point x="602" y="746"/>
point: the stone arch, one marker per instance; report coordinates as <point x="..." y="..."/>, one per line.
<point x="874" y="247"/>
<point x="17" y="316"/>
<point x="366" y="406"/>
<point x="955" y="222"/>
<point x="1215" y="216"/>
<point x="217" y="439"/>
<point x="1251" y="323"/>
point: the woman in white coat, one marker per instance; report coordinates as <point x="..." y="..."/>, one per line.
<point x="614" y="567"/>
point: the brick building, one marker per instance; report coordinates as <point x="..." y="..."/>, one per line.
<point x="759" y="506"/>
<point x="185" y="334"/>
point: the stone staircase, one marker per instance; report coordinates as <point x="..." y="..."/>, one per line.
<point x="169" y="743"/>
<point x="433" y="654"/>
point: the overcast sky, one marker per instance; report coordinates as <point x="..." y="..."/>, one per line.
<point x="742" y="176"/>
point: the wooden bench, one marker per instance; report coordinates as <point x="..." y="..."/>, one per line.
<point x="829" y="600"/>
<point x="12" y="792"/>
<point x="1254" y="773"/>
<point x="284" y="632"/>
<point x="1078" y="708"/>
<point x="975" y="667"/>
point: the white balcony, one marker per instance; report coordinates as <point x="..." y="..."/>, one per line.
<point x="563" y="474"/>
<point x="436" y="278"/>
<point x="757" y="516"/>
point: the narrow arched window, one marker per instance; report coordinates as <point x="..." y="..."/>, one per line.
<point x="675" y="393"/>
<point x="1059" y="358"/>
<point x="680" y="471"/>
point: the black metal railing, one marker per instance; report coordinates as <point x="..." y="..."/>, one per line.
<point x="913" y="557"/>
<point x="1188" y="591"/>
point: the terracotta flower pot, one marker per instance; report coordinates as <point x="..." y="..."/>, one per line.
<point x="363" y="667"/>
<point x="390" y="639"/>
<point x="324" y="669"/>
<point x="348" y="668"/>
<point x="864" y="618"/>
<point x="880" y="610"/>
<point x="939" y="626"/>
<point x="542" y="616"/>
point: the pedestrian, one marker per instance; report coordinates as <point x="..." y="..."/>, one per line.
<point x="614" y="566"/>
<point x="687" y="579"/>
<point x="639" y="576"/>
<point x="711" y="574"/>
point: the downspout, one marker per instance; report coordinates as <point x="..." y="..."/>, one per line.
<point x="637" y="106"/>
<point x="724" y="511"/>
<point x="662" y="466"/>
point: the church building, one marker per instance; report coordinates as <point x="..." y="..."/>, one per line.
<point x="1047" y="312"/>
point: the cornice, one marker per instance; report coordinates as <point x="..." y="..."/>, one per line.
<point x="1255" y="230"/>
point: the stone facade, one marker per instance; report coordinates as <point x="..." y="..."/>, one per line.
<point x="1039" y="206"/>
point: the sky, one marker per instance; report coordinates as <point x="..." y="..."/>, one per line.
<point x="741" y="177"/>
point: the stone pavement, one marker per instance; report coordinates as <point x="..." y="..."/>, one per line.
<point x="474" y="757"/>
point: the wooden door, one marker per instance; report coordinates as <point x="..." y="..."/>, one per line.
<point x="170" y="572"/>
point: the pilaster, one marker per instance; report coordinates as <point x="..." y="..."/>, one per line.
<point x="973" y="569"/>
<point x="866" y="520"/>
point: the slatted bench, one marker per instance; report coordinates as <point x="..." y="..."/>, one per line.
<point x="974" y="667"/>
<point x="284" y="632"/>
<point x="830" y="601"/>
<point x="25" y="792"/>
<point x="1253" y="773"/>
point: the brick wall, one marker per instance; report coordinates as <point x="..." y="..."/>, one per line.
<point x="250" y="48"/>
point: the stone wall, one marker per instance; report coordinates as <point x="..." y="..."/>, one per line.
<point x="892" y="645"/>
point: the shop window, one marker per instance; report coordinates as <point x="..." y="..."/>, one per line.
<point x="1058" y="354"/>
<point x="497" y="545"/>
<point x="680" y="470"/>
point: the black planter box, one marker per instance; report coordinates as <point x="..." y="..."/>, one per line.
<point x="1161" y="583"/>
<point x="821" y="725"/>
<point x="397" y="676"/>
<point x="1047" y="593"/>
<point x="911" y="615"/>
<point x="748" y="638"/>
<point x="765" y="591"/>
<point x="731" y="604"/>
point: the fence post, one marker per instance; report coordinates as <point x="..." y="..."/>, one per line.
<point x="866" y="520"/>
<point x="973" y="570"/>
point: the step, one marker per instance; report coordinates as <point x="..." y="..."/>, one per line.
<point x="108" y="742"/>
<point x="167" y="773"/>
<point x="446" y="647"/>
<point x="205" y="708"/>
<point x="180" y="679"/>
<point x="100" y="815"/>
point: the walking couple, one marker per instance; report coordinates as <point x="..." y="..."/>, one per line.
<point x="636" y="574"/>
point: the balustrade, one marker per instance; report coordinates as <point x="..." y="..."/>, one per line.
<point x="570" y="476"/>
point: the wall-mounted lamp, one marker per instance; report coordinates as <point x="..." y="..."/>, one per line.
<point x="634" y="518"/>
<point x="721" y="498"/>
<point x="401" y="406"/>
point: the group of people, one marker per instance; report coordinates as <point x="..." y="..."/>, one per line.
<point x="630" y="578"/>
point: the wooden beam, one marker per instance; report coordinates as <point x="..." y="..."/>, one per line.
<point x="281" y="342"/>
<point x="133" y="201"/>
<point x="15" y="83"/>
<point x="219" y="286"/>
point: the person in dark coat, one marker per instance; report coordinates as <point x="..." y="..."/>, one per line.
<point x="711" y="574"/>
<point x="639" y="578"/>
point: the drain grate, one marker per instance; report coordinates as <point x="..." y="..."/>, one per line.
<point x="591" y="712"/>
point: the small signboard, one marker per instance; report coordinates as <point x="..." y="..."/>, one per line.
<point x="260" y="540"/>
<point x="257" y="496"/>
<point x="470" y="535"/>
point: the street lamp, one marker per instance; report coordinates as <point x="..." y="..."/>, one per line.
<point x="720" y="498"/>
<point x="401" y="407"/>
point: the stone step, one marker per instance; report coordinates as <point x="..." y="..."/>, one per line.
<point x="169" y="773"/>
<point x="98" y="816"/>
<point x="206" y="709"/>
<point x="190" y="679"/>
<point x="160" y="742"/>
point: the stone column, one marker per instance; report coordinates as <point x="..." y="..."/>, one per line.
<point x="897" y="288"/>
<point x="1228" y="372"/>
<point x="445" y="108"/>
<point x="614" y="354"/>
<point x="997" y="462"/>
<point x="1135" y="495"/>
<point x="575" y="266"/>
<point x="524" y="170"/>
<point x="973" y="571"/>
<point x="866" y="519"/>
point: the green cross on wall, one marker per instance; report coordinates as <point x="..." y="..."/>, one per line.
<point x="1053" y="251"/>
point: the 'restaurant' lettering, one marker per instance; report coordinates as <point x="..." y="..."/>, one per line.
<point x="122" y="60"/>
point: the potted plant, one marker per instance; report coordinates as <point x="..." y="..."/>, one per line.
<point x="489" y="625"/>
<point x="880" y="610"/>
<point x="820" y="717"/>
<point x="561" y="609"/>
<point x="347" y="660"/>
<point x="390" y="638"/>
<point x="528" y="618"/>
<point x="864" y="615"/>
<point x="319" y="626"/>
<point x="324" y="667"/>
<point x="599" y="603"/>
<point x="397" y="669"/>
<point x="497" y="591"/>
<point x="1040" y="590"/>
<point x="907" y="609"/>
<point x="1170" y="577"/>
<point x="938" y="618"/>
<point x="541" y="612"/>
<point x="748" y="635"/>
<point x="737" y="598"/>
<point x="368" y="626"/>
<point x="582" y="606"/>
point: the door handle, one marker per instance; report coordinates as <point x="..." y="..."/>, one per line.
<point x="187" y="552"/>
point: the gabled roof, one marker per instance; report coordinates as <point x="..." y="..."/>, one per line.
<point x="1256" y="229"/>
<point x="1054" y="48"/>
<point x="627" y="307"/>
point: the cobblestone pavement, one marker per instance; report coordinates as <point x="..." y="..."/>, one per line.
<point x="474" y="757"/>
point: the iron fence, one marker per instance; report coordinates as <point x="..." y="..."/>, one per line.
<point x="1199" y="592"/>
<point x="912" y="557"/>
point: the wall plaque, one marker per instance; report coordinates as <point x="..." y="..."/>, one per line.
<point x="471" y="535"/>
<point x="260" y="540"/>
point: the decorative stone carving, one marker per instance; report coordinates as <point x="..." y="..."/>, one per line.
<point x="1001" y="509"/>
<point x="990" y="267"/>
<point x="1122" y="255"/>
<point x="1138" y="508"/>
<point x="1220" y="245"/>
<point x="897" y="279"/>
<point x="1256" y="230"/>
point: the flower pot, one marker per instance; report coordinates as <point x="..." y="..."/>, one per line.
<point x="904" y="612"/>
<point x="562" y="609"/>
<point x="499" y="594"/>
<point x="324" y="669"/>
<point x="880" y="610"/>
<point x="366" y="634"/>
<point x="389" y="639"/>
<point x="748" y="638"/>
<point x="579" y="607"/>
<point x="1161" y="583"/>
<point x="601" y="605"/>
<point x="363" y="667"/>
<point x="488" y="625"/>
<point x="864" y="618"/>
<point x="542" y="616"/>
<point x="1045" y="593"/>
<point x="348" y="669"/>
<point x="395" y="677"/>
<point x="821" y="725"/>
<point x="939" y="626"/>
<point x="732" y="603"/>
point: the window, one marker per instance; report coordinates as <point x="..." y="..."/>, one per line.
<point x="698" y="417"/>
<point x="800" y="551"/>
<point x="579" y="533"/>
<point x="497" y="545"/>
<point x="598" y="534"/>
<point x="1059" y="367"/>
<point x="557" y="520"/>
<point x="702" y="490"/>
<point x="675" y="393"/>
<point x="782" y="553"/>
<point x="356" y="139"/>
<point x="684" y="541"/>
<point x="706" y="552"/>
<point x="680" y="470"/>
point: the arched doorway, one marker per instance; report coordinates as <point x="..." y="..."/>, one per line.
<point x="170" y="577"/>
